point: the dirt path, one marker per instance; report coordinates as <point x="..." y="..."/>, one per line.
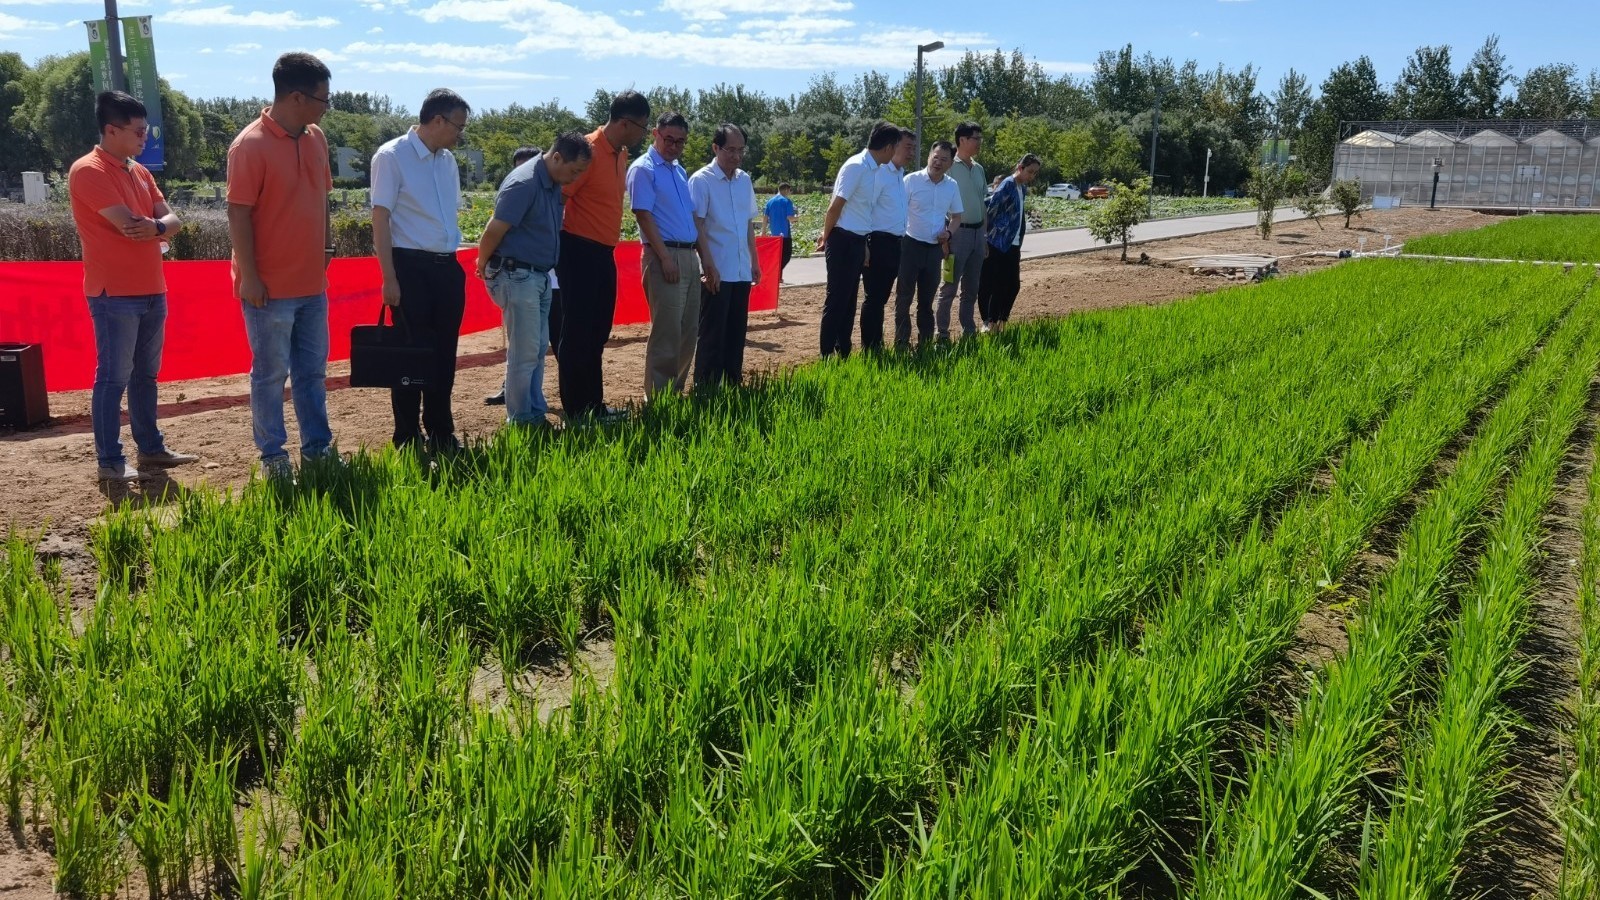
<point x="47" y="474"/>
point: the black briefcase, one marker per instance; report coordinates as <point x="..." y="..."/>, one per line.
<point x="382" y="355"/>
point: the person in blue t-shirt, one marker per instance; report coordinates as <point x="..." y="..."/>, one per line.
<point x="781" y="214"/>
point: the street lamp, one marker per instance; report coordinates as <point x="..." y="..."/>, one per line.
<point x="1155" y="138"/>
<point x="921" y="49"/>
<point x="1205" y="185"/>
<point x="1438" y="163"/>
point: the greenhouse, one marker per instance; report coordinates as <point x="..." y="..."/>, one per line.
<point x="1527" y="164"/>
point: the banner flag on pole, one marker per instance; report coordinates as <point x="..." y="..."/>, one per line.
<point x="99" y="56"/>
<point x="139" y="44"/>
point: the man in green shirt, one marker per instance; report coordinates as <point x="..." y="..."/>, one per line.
<point x="968" y="246"/>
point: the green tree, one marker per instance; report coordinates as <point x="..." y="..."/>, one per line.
<point x="839" y="152"/>
<point x="1074" y="152"/>
<point x="1350" y="93"/>
<point x="1290" y="104"/>
<point x="1115" y="218"/>
<point x="1550" y="92"/>
<point x="1017" y="137"/>
<point x="20" y="149"/>
<point x="1270" y="184"/>
<point x="1427" y="87"/>
<point x="1346" y="198"/>
<point x="59" y="108"/>
<point x="1484" y="80"/>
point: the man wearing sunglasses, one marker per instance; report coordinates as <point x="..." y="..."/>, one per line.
<point x="416" y="195"/>
<point x="121" y="218"/>
<point x="278" y="221"/>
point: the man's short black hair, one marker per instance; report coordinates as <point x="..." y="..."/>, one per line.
<point x="572" y="146"/>
<point x="1029" y="160"/>
<point x="907" y="134"/>
<point x="297" y="71"/>
<point x="943" y="145"/>
<point x="117" y="108"/>
<point x="884" y="134"/>
<point x="968" y="129"/>
<point x="672" y="119"/>
<point x="725" y="131"/>
<point x="523" y="154"/>
<point x="441" y="102"/>
<point x="785" y="186"/>
<point x="630" y="105"/>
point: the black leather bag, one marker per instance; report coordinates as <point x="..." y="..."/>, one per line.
<point x="382" y="355"/>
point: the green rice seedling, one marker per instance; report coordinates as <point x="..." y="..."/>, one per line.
<point x="1579" y="811"/>
<point x="89" y="861"/>
<point x="1450" y="778"/>
<point x="1540" y="237"/>
<point x="1300" y="788"/>
<point x="14" y="769"/>
<point x="1120" y="769"/>
<point x="259" y="871"/>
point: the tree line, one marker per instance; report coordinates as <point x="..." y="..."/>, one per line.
<point x="1089" y="128"/>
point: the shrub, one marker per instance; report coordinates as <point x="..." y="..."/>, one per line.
<point x="1346" y="196"/>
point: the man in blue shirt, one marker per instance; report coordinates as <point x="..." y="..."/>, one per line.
<point x="1008" y="224"/>
<point x="519" y="247"/>
<point x="781" y="214"/>
<point x="659" y="189"/>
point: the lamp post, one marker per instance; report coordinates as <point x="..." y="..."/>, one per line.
<point x="921" y="49"/>
<point x="1155" y="138"/>
<point x="1205" y="184"/>
<point x="119" y="79"/>
<point x="1438" y="163"/>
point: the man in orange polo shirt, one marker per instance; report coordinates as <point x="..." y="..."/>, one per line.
<point x="278" y="220"/>
<point x="580" y="323"/>
<point x="121" y="218"/>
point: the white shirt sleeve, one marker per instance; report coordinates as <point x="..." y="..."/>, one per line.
<point x="385" y="177"/>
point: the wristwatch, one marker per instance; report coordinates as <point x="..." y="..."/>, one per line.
<point x="161" y="227"/>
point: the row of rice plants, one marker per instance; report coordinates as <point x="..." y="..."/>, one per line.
<point x="1558" y="238"/>
<point x="1451" y="769"/>
<point x="1580" y="809"/>
<point x="1302" y="785"/>
<point x="1069" y="806"/>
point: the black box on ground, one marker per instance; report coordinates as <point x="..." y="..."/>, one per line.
<point x="23" y="401"/>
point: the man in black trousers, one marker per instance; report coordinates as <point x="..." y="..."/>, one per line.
<point x="580" y="322"/>
<point x="844" y="235"/>
<point x="883" y="244"/>
<point x="416" y="194"/>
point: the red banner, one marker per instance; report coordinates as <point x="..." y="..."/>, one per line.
<point x="42" y="303"/>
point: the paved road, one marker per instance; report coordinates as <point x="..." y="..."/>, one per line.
<point x="813" y="270"/>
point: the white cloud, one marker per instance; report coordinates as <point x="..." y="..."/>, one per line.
<point x="376" y="29"/>
<point x="551" y="25"/>
<point x="1053" y="67"/>
<point x="13" y="26"/>
<point x="796" y="24"/>
<point x="404" y="67"/>
<point x="225" y="16"/>
<point x="205" y="51"/>
<point x="632" y="13"/>
<point x="242" y="49"/>
<point x="492" y="53"/>
<point x="717" y="10"/>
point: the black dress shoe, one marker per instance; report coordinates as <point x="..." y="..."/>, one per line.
<point x="496" y="399"/>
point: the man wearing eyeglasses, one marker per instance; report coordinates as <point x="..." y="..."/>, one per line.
<point x="658" y="187"/>
<point x="591" y="227"/>
<point x="725" y="211"/>
<point x="121" y="217"/>
<point x="278" y="221"/>
<point x="416" y="194"/>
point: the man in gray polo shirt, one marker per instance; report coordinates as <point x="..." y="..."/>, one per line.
<point x="968" y="246"/>
<point x="519" y="247"/>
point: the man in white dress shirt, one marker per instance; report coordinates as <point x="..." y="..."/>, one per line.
<point x="416" y="193"/>
<point x="725" y="213"/>
<point x="844" y="235"/>
<point x="883" y="243"/>
<point x="933" y="212"/>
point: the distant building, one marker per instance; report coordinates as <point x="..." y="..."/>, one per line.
<point x="345" y="159"/>
<point x="1511" y="164"/>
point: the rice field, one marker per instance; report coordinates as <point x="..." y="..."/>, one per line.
<point x="1557" y="238"/>
<point x="1022" y="617"/>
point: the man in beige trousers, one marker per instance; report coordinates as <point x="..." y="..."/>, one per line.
<point x="658" y="188"/>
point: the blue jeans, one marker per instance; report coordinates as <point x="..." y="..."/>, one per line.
<point x="128" y="335"/>
<point x="524" y="298"/>
<point x="289" y="341"/>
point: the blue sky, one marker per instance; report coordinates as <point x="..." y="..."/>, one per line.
<point x="499" y="51"/>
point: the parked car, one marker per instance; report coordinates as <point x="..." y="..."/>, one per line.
<point x="1098" y="192"/>
<point x="1063" y="191"/>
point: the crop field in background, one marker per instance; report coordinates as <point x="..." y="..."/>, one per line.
<point x="1021" y="617"/>
<point x="1559" y="238"/>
